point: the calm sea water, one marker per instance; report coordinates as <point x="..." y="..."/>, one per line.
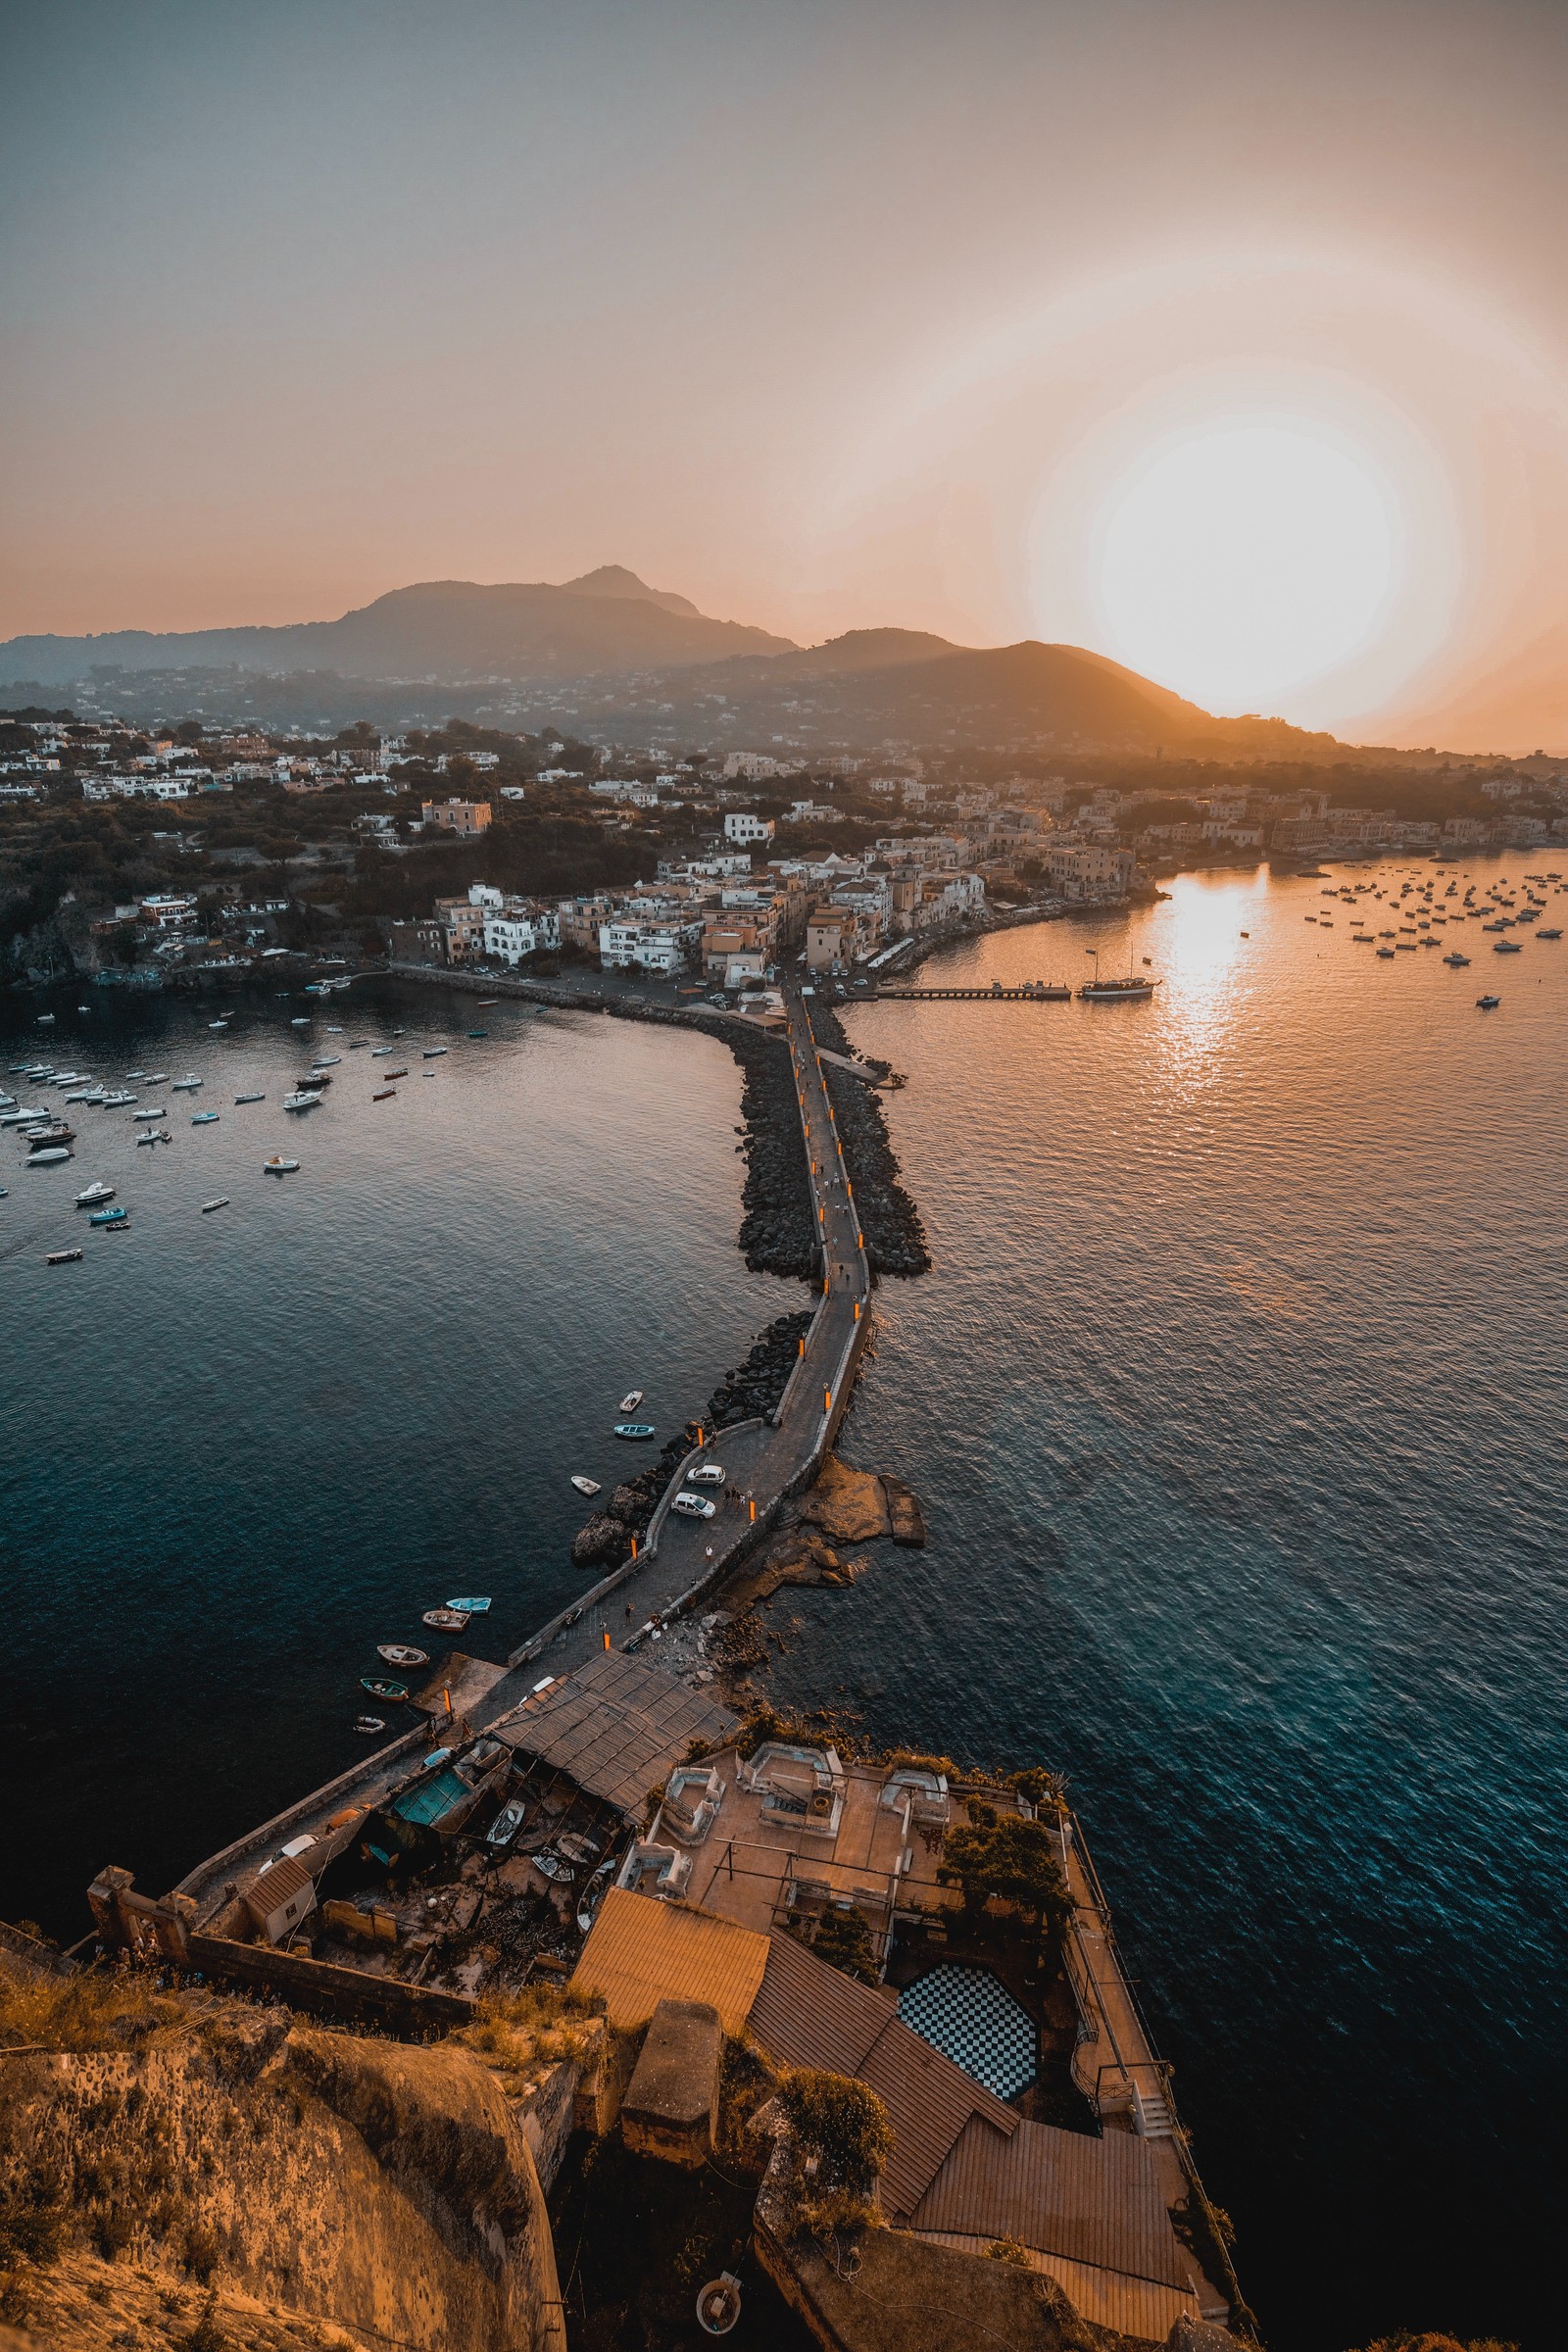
<point x="1236" y="1402"/>
<point x="238" y="1451"/>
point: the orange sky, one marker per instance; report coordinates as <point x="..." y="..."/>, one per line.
<point x="823" y="315"/>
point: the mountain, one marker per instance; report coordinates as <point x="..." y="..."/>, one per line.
<point x="452" y="630"/>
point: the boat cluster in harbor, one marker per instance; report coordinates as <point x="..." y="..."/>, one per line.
<point x="1421" y="913"/>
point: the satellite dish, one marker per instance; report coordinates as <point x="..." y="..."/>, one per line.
<point x="719" y="2304"/>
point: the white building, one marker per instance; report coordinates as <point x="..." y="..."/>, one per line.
<point x="520" y="930"/>
<point x="632" y="942"/>
<point x="741" y="826"/>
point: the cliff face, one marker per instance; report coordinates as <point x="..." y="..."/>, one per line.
<point x="319" y="2186"/>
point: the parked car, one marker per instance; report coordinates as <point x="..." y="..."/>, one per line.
<point x="693" y="1506"/>
<point x="705" y="1473"/>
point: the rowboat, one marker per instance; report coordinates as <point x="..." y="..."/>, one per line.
<point x="386" y="1094"/>
<point x="631" y="1400"/>
<point x="585" y="1485"/>
<point x="635" y="1429"/>
<point x="380" y="1687"/>
<point x="208" y="1206"/>
<point x="369" y="1724"/>
<point x="279" y="1166"/>
<point x="62" y="1258"/>
<point x="445" y="1621"/>
<point x="401" y="1653"/>
<point x="474" y="1605"/>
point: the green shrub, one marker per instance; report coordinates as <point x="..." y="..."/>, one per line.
<point x="1013" y="1860"/>
<point x="840" y="2122"/>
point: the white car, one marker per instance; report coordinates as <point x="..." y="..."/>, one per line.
<point x="693" y="1506"/>
<point x="705" y="1473"/>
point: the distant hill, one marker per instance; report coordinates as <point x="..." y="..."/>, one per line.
<point x="606" y="621"/>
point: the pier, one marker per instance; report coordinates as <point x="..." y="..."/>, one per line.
<point x="1036" y="991"/>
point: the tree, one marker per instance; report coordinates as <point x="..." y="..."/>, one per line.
<point x="1012" y="1860"/>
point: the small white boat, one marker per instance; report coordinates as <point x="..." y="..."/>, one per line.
<point x="217" y="1024"/>
<point x="432" y="1051"/>
<point x="369" y="1725"/>
<point x="277" y="1165"/>
<point x="326" y="1062"/>
<point x="95" y="1195"/>
<point x="401" y="1653"/>
<point x="154" y="1110"/>
<point x="301" y="1101"/>
<point x="238" y="1099"/>
<point x="585" y="1485"/>
<point x="48" y="1156"/>
<point x="208" y="1206"/>
<point x="473" y="1604"/>
<point x="445" y="1621"/>
<point x="204" y="1118"/>
<point x="155" y="1135"/>
<point x="301" y="1020"/>
<point x="378" y="1051"/>
<point x="631" y="1400"/>
<point x="184" y="1085"/>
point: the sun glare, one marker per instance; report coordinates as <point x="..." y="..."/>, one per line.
<point x="1239" y="563"/>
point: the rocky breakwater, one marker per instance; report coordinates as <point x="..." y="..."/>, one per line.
<point x="750" y="1392"/>
<point x="180" y="2170"/>
<point x="895" y="1237"/>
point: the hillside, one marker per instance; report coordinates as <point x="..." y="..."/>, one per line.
<point x="453" y="630"/>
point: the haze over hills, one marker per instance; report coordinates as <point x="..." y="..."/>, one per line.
<point x="616" y="659"/>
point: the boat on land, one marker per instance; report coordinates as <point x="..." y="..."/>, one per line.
<point x="379" y="1686"/>
<point x="208" y="1206"/>
<point x="402" y="1654"/>
<point x="584" y="1851"/>
<point x="445" y="1621"/>
<point x="277" y="1165"/>
<point x="473" y="1606"/>
<point x="631" y="1400"/>
<point x="204" y="1118"/>
<point x="585" y="1485"/>
<point x="301" y="1101"/>
<point x="93" y="1196"/>
<point x="635" y="1429"/>
<point x="1488" y="1003"/>
<point x="238" y="1099"/>
<point x="63" y="1257"/>
<point x="369" y="1724"/>
<point x="109" y="1216"/>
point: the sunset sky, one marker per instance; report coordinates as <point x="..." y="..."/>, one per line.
<point x="1229" y="339"/>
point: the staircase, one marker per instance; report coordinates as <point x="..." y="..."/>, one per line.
<point x="1151" y="2115"/>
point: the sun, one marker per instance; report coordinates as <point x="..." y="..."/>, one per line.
<point x="1238" y="561"/>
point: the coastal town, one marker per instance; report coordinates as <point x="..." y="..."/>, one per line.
<point x="149" y="857"/>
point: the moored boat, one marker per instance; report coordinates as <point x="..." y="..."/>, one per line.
<point x="445" y="1621"/>
<point x="301" y="1101"/>
<point x="186" y="1085"/>
<point x="204" y="1118"/>
<point x="277" y="1165"/>
<point x="631" y="1400"/>
<point x="473" y="1604"/>
<point x="1488" y="1003"/>
<point x="379" y="1686"/>
<point x="208" y="1206"/>
<point x="238" y="1099"/>
<point x="93" y="1196"/>
<point x="369" y="1725"/>
<point x="402" y="1654"/>
<point x="635" y="1429"/>
<point x="109" y="1216"/>
<point x="63" y="1257"/>
<point x="47" y="1157"/>
<point x="585" y="1485"/>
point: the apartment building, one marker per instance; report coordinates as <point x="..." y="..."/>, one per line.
<point x="467" y="819"/>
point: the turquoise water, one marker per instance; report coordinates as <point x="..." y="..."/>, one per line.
<point x="1235" y="1400"/>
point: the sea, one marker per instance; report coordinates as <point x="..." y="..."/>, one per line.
<point x="1235" y="1400"/>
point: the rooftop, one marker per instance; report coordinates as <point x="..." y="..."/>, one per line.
<point x="617" y="1726"/>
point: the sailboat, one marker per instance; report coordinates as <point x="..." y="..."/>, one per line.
<point x="1134" y="988"/>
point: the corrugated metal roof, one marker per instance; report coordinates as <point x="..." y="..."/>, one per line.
<point x="616" y="1725"/>
<point x="807" y="2013"/>
<point x="1135" y="2307"/>
<point x="642" y="1950"/>
<point x="1096" y="2201"/>
<point x="272" y="1889"/>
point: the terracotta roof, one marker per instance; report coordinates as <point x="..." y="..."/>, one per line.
<point x="617" y="1726"/>
<point x="807" y="2013"/>
<point x="1094" y="2201"/>
<point x="642" y="1951"/>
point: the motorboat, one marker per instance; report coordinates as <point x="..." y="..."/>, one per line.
<point x="93" y="1196"/>
<point x="402" y="1654"/>
<point x="238" y="1099"/>
<point x="86" y="1094"/>
<point x="314" y="1079"/>
<point x="208" y="1206"/>
<point x="152" y="1077"/>
<point x="326" y="1062"/>
<point x="369" y="1725"/>
<point x="631" y="1400"/>
<point x="473" y="1606"/>
<point x="155" y="1135"/>
<point x="109" y="1216"/>
<point x="48" y="1133"/>
<point x="186" y="1085"/>
<point x="63" y="1257"/>
<point x="154" y="1110"/>
<point x="1386" y="955"/>
<point x="481" y="1002"/>
<point x="635" y="1429"/>
<point x="1507" y="947"/>
<point x="585" y="1485"/>
<point x="1456" y="961"/>
<point x="384" y="1093"/>
<point x="277" y="1165"/>
<point x="204" y="1118"/>
<point x="432" y="1052"/>
<point x="693" y="1506"/>
<point x="301" y="1101"/>
<point x="1488" y="1003"/>
<point x="379" y="1053"/>
<point x="705" y="1473"/>
<point x="301" y="1020"/>
<point x="23" y="1115"/>
<point x="379" y="1686"/>
<point x="445" y="1621"/>
<point x="48" y="1156"/>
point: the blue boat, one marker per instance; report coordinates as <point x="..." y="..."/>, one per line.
<point x="109" y="1216"/>
<point x="635" y="1429"/>
<point x="473" y="1604"/>
<point x="204" y="1118"/>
